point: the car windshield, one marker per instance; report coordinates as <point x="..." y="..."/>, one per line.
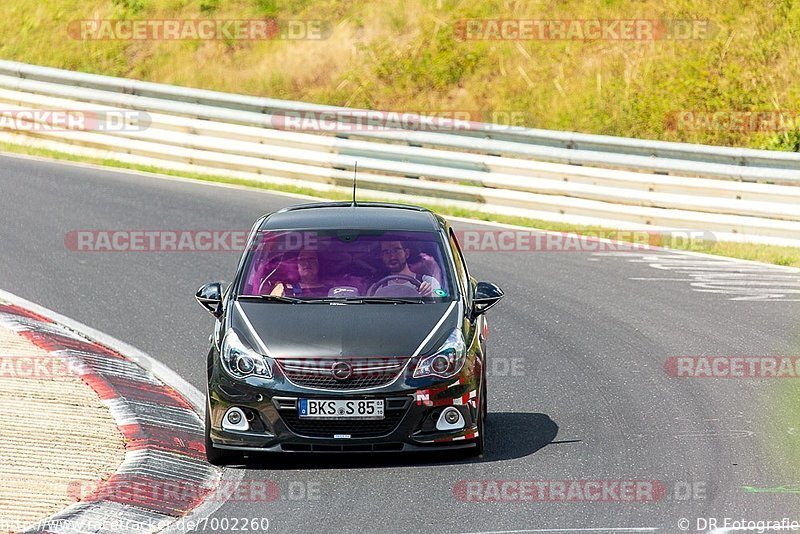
<point x="364" y="265"/>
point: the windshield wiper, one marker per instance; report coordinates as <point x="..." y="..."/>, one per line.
<point x="390" y="300"/>
<point x="334" y="300"/>
<point x="274" y="298"/>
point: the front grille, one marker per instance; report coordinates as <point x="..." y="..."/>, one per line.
<point x="365" y="373"/>
<point x="366" y="447"/>
<point x="321" y="428"/>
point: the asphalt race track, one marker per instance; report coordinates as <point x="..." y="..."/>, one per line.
<point x="578" y="390"/>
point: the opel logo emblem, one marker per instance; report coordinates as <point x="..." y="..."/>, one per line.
<point x="341" y="370"/>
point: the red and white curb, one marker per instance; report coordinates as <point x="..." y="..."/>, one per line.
<point x="159" y="416"/>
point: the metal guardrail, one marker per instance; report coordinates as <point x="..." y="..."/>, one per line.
<point x="534" y="172"/>
<point x="542" y="138"/>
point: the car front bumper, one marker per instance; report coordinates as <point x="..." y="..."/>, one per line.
<point x="411" y="410"/>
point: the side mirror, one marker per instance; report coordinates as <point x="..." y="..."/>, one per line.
<point x="210" y="297"/>
<point x="486" y="295"/>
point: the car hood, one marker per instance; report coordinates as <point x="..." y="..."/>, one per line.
<point x="352" y="330"/>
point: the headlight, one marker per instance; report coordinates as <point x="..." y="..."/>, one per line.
<point x="241" y="361"/>
<point x="448" y="360"/>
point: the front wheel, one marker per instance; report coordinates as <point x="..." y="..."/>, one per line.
<point x="480" y="442"/>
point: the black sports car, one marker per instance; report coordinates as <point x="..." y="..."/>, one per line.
<point x="347" y="328"/>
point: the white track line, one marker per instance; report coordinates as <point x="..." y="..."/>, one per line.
<point x="588" y="529"/>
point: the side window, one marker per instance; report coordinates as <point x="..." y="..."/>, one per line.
<point x="461" y="266"/>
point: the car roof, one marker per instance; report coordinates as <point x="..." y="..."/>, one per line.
<point x="344" y="215"/>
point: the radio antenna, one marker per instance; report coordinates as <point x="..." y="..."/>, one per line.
<point x="355" y="173"/>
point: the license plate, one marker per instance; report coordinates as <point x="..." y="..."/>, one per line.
<point x="341" y="409"/>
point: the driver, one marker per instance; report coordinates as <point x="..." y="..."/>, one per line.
<point x="395" y="258"/>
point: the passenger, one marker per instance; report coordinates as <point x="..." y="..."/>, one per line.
<point x="425" y="264"/>
<point x="395" y="258"/>
<point x="309" y="284"/>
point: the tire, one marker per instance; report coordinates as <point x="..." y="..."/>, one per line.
<point x="484" y="386"/>
<point x="480" y="443"/>
<point x="215" y="456"/>
<point x="485" y="401"/>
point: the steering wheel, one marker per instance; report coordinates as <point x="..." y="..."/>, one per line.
<point x="386" y="279"/>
